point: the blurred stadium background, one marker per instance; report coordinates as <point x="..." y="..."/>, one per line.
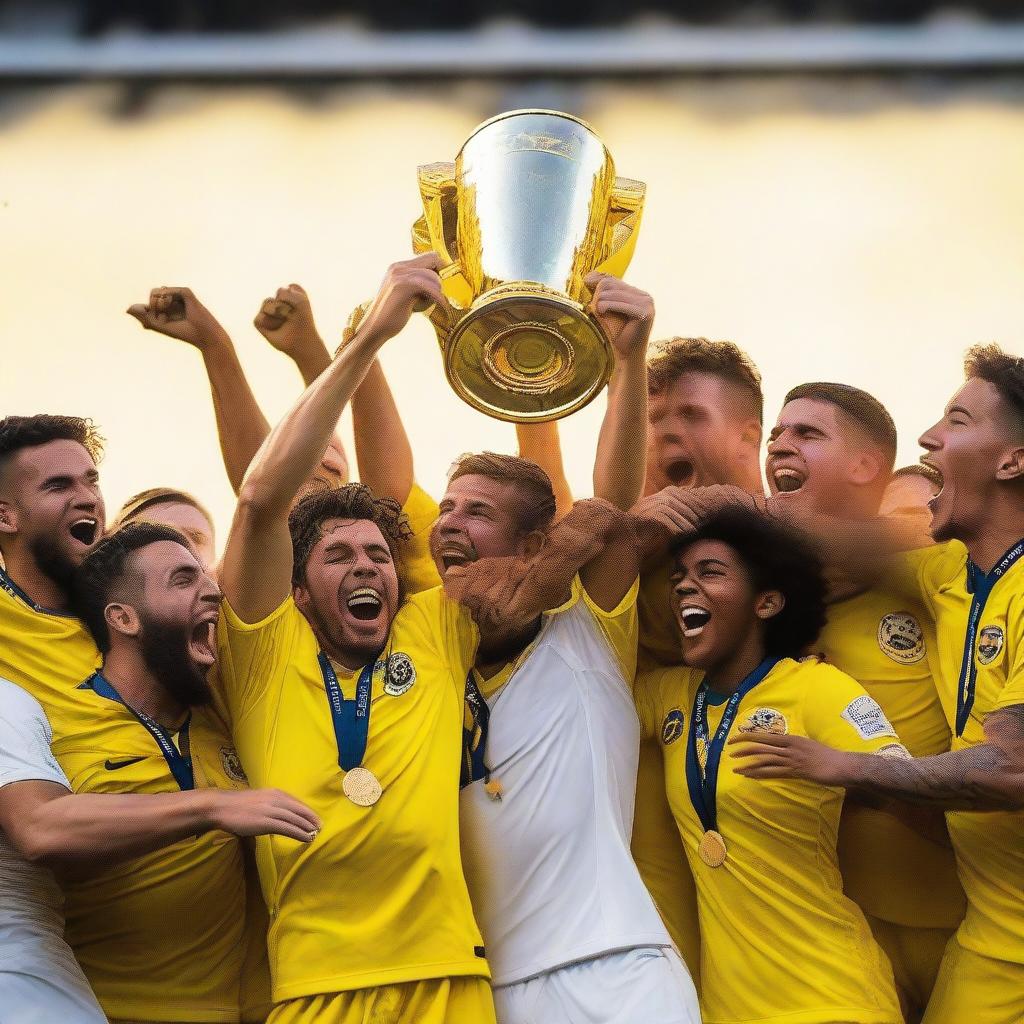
<point x="837" y="186"/>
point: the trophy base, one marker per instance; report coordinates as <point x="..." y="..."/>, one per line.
<point x="527" y="354"/>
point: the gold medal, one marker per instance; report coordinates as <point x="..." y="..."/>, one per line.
<point x="360" y="785"/>
<point x="712" y="849"/>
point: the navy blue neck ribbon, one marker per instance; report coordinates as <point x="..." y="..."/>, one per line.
<point x="474" y="736"/>
<point x="703" y="786"/>
<point x="12" y="588"/>
<point x="351" y="718"/>
<point x="980" y="586"/>
<point x="180" y="765"/>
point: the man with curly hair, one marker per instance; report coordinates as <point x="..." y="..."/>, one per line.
<point x="351" y="696"/>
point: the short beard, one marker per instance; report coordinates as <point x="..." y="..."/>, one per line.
<point x="52" y="562"/>
<point x="165" y="652"/>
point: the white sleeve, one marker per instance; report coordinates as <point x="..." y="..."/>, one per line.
<point x="25" y="740"/>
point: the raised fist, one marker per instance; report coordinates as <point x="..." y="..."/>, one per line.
<point x="625" y="313"/>
<point x="286" y="320"/>
<point x="177" y="313"/>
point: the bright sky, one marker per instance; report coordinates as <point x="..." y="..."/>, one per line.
<point x="858" y="231"/>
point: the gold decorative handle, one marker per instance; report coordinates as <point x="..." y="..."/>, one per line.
<point x="626" y="207"/>
<point x="437" y="231"/>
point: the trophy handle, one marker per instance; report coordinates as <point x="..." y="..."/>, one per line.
<point x="626" y="206"/>
<point x="436" y="230"/>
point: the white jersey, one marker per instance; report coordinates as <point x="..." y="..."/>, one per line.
<point x="40" y="980"/>
<point x="548" y="866"/>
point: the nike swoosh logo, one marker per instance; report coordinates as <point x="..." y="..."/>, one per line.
<point x="112" y="766"/>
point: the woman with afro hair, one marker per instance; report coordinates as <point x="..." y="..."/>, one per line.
<point x="780" y="942"/>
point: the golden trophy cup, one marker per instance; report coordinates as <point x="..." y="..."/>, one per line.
<point x="528" y="209"/>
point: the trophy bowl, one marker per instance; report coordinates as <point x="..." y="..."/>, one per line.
<point x="530" y="207"/>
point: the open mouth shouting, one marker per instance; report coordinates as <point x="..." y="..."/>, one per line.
<point x="451" y="553"/>
<point x="787" y="479"/>
<point x="84" y="530"/>
<point x="365" y="604"/>
<point x="202" y="641"/>
<point x="933" y="500"/>
<point x="693" y="619"/>
<point x="680" y="472"/>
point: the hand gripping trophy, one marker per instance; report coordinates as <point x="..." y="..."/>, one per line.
<point x="528" y="209"/>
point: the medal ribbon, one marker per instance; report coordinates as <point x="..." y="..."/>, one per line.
<point x="351" y="717"/>
<point x="474" y="735"/>
<point x="180" y="765"/>
<point x="12" y="588"/>
<point x="702" y="786"/>
<point x="980" y="585"/>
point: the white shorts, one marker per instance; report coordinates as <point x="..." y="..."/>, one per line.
<point x="648" y="985"/>
<point x="34" y="999"/>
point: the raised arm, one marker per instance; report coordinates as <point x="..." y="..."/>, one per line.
<point x="78" y="834"/>
<point x="986" y="777"/>
<point x="626" y="314"/>
<point x="540" y="443"/>
<point x="257" y="568"/>
<point x="286" y="321"/>
<point x="241" y="425"/>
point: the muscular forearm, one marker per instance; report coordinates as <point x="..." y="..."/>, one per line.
<point x="79" y="834"/>
<point x="311" y="358"/>
<point x="241" y="425"/>
<point x="619" y="468"/>
<point x="383" y="452"/>
<point x="974" y="779"/>
<point x="539" y="442"/>
<point x="297" y="444"/>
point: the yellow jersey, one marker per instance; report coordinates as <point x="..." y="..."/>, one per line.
<point x="990" y="845"/>
<point x="889" y="869"/>
<point x="780" y="941"/>
<point x="379" y="897"/>
<point x="49" y="654"/>
<point x="160" y="937"/>
<point x="656" y="846"/>
<point x="419" y="572"/>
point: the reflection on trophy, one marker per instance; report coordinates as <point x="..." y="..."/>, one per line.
<point x="529" y="208"/>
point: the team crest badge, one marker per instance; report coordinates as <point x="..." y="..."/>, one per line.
<point x="232" y="765"/>
<point x="901" y="638"/>
<point x="672" y="727"/>
<point x="766" y="720"/>
<point x="400" y="674"/>
<point x="990" y="644"/>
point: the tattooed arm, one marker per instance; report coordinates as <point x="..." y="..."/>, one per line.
<point x="987" y="777"/>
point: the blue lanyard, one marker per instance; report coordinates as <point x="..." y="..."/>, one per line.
<point x="474" y="736"/>
<point x="703" y="785"/>
<point x="351" y="717"/>
<point x="181" y="766"/>
<point x="12" y="588"/>
<point x="980" y="585"/>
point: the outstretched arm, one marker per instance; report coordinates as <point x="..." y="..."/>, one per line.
<point x="506" y="594"/>
<point x="257" y="567"/>
<point x="986" y="777"/>
<point x="626" y="314"/>
<point x="77" y="835"/>
<point x="539" y="442"/>
<point x="241" y="425"/>
<point x="286" y="321"/>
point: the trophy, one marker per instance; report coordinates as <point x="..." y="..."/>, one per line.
<point x="528" y="209"/>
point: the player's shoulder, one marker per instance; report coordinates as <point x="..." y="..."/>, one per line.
<point x="811" y="677"/>
<point x="17" y="704"/>
<point x="938" y="564"/>
<point x="671" y="683"/>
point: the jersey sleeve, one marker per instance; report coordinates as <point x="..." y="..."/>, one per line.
<point x="251" y="656"/>
<point x="839" y="713"/>
<point x="418" y="570"/>
<point x="620" y="627"/>
<point x="25" y="737"/>
<point x="646" y="696"/>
